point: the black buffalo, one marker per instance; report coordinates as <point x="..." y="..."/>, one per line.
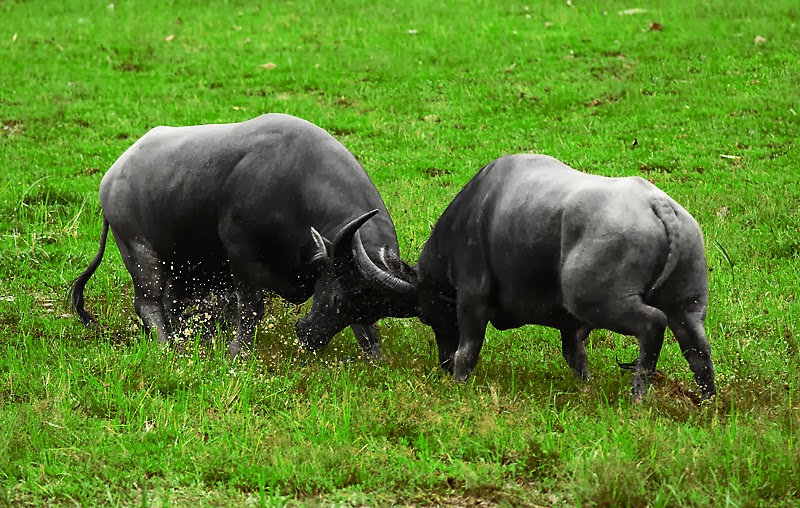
<point x="266" y="205"/>
<point x="530" y="240"/>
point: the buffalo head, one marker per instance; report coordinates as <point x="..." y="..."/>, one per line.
<point x="350" y="292"/>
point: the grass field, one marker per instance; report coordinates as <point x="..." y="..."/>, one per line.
<point x="424" y="93"/>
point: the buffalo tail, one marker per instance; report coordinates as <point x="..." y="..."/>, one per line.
<point x="76" y="291"/>
<point x="666" y="214"/>
<point x="628" y="365"/>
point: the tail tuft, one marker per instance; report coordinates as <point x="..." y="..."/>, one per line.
<point x="627" y="365"/>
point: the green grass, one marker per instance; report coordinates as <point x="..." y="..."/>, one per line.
<point x="424" y="93"/>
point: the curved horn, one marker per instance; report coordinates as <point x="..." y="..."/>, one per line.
<point x="342" y="243"/>
<point x="322" y="246"/>
<point x="373" y="273"/>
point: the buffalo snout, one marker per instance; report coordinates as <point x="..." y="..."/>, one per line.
<point x="310" y="335"/>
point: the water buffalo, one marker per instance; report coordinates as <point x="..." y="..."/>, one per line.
<point x="531" y="240"/>
<point x="266" y="205"/>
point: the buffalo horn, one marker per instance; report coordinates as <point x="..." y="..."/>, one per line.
<point x="343" y="242"/>
<point x="373" y="273"/>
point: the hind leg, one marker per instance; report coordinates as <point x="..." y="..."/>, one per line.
<point x="149" y="279"/>
<point x="631" y="316"/>
<point x="151" y="312"/>
<point x="689" y="330"/>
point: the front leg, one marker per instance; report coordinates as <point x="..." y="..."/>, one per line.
<point x="247" y="274"/>
<point x="178" y="296"/>
<point x="369" y="339"/>
<point x="250" y="310"/>
<point x="573" y="347"/>
<point x="440" y="315"/>
<point x="472" y="320"/>
<point x="447" y="344"/>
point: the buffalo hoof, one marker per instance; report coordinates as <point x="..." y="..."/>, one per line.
<point x="309" y="348"/>
<point x="447" y="366"/>
<point x="238" y="351"/>
<point x="707" y="396"/>
<point x="707" y="389"/>
<point x="373" y="354"/>
<point x="582" y="375"/>
<point x="705" y="402"/>
<point x="639" y="394"/>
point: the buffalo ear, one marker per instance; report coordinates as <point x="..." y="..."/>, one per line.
<point x="377" y="275"/>
<point x="322" y="247"/>
<point x="397" y="266"/>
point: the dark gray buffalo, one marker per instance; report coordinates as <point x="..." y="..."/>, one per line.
<point x="530" y="240"/>
<point x="247" y="208"/>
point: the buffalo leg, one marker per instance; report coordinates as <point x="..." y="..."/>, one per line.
<point x="147" y="272"/>
<point x="689" y="331"/>
<point x="250" y="306"/>
<point x="651" y="339"/>
<point x="369" y="339"/>
<point x="247" y="274"/>
<point x="573" y="347"/>
<point x="447" y="344"/>
<point x="631" y="316"/>
<point x="179" y="295"/>
<point x="224" y="309"/>
<point x="151" y="312"/>
<point x="472" y="323"/>
<point x="441" y="316"/>
<point x="176" y="298"/>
